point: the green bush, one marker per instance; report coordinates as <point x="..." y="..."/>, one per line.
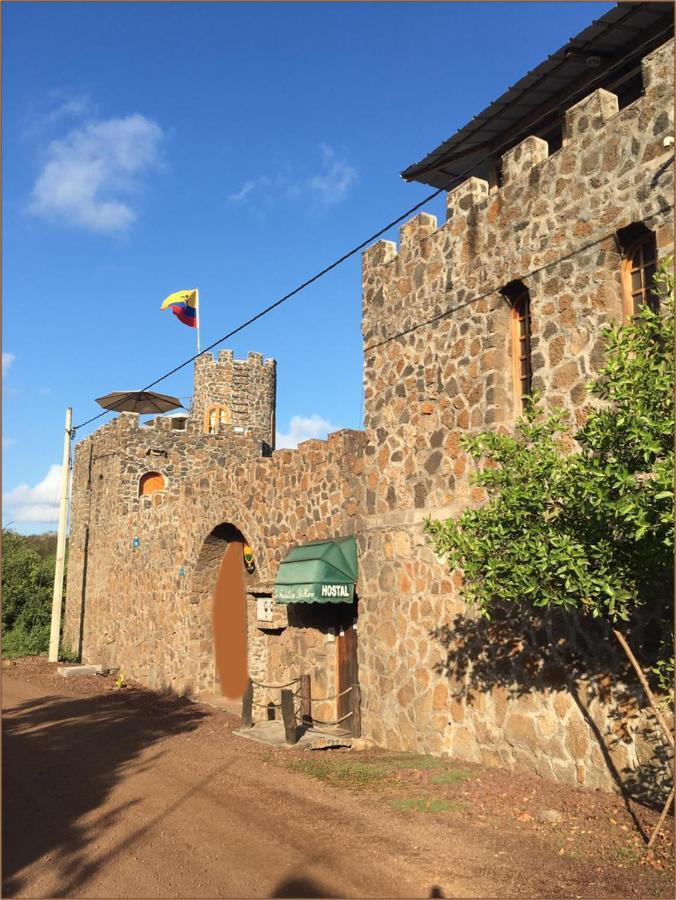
<point x="27" y="587"/>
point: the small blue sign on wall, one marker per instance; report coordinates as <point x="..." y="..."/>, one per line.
<point x="136" y="543"/>
<point x="181" y="572"/>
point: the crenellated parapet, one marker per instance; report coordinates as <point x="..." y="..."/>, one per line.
<point x="545" y="207"/>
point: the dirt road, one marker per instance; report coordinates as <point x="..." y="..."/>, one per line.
<point x="128" y="794"/>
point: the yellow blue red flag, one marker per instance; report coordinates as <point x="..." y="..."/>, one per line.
<point x="183" y="304"/>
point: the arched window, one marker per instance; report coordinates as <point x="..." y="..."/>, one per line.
<point x="638" y="268"/>
<point x="215" y="416"/>
<point x="149" y="483"/>
<point x="518" y="297"/>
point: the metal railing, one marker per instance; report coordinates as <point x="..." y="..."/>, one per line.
<point x="303" y="694"/>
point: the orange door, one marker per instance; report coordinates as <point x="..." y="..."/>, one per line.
<point x="229" y="618"/>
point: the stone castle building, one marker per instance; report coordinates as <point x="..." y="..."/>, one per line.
<point x="562" y="205"/>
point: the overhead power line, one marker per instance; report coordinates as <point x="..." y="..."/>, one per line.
<point x="456" y="179"/>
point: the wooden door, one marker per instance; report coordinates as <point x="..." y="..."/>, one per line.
<point x="346" y="657"/>
<point x="229" y="620"/>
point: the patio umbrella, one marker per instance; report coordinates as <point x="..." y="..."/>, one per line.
<point x="138" y="402"/>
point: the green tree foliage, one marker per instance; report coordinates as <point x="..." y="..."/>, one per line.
<point x="582" y="520"/>
<point x="27" y="586"/>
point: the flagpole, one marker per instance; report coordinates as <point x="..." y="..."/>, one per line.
<point x="197" y="291"/>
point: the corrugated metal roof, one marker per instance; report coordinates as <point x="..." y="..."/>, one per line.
<point x="624" y="34"/>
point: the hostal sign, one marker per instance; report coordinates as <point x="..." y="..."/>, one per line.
<point x="309" y="593"/>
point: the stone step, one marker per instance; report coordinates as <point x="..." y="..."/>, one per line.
<point x="77" y="671"/>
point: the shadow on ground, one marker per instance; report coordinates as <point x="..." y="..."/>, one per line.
<point x="301" y="887"/>
<point x="308" y="887"/>
<point x="61" y="758"/>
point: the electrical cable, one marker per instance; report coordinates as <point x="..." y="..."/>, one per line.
<point x="283" y="299"/>
<point x="456" y="179"/>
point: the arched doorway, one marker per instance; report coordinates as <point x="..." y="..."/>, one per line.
<point x="229" y="614"/>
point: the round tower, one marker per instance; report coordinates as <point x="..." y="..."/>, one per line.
<point x="237" y="394"/>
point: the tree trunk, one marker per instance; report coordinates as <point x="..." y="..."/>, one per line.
<point x="644" y="684"/>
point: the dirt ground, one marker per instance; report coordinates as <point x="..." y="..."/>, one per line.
<point x="126" y="793"/>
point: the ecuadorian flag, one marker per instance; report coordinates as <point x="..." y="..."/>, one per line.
<point x="183" y="304"/>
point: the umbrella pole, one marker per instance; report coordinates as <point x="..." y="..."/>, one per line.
<point x="57" y="597"/>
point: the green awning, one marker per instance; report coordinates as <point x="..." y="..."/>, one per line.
<point x="319" y="572"/>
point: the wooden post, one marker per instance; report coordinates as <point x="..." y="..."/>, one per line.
<point x="57" y="596"/>
<point x="305" y="700"/>
<point x="289" y="716"/>
<point x="247" y="705"/>
<point x="355" y="706"/>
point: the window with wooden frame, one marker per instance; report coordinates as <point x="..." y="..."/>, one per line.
<point x="638" y="268"/>
<point x="214" y="417"/>
<point x="522" y="368"/>
<point x="149" y="483"/>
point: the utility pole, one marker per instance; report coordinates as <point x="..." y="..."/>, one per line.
<point x="57" y="597"/>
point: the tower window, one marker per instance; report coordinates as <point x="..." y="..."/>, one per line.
<point x="214" y="417"/>
<point x="149" y="483"/>
<point x="638" y="268"/>
<point x="522" y="368"/>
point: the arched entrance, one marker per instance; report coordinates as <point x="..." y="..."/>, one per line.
<point x="229" y="614"/>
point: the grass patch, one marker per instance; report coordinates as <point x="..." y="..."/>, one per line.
<point x="450" y="776"/>
<point x="350" y="773"/>
<point x="424" y="805"/>
<point x="628" y="854"/>
<point x="378" y="771"/>
<point x="414" y="761"/>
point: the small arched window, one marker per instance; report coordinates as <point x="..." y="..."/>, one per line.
<point x="149" y="483"/>
<point x="214" y="417"/>
<point x="638" y="268"/>
<point x="518" y="297"/>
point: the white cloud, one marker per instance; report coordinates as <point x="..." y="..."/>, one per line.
<point x="86" y="172"/>
<point x="7" y="360"/>
<point x="246" y="188"/>
<point x="59" y="105"/>
<point x="334" y="182"/>
<point x="302" y="428"/>
<point x="34" y="504"/>
<point x="328" y="186"/>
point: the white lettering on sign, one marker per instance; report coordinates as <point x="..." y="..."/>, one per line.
<point x="335" y="590"/>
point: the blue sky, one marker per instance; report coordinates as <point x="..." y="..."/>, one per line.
<point x="235" y="147"/>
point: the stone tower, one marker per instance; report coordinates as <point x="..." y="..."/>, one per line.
<point x="235" y="394"/>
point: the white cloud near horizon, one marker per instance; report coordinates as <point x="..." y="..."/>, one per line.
<point x="326" y="187"/>
<point x="88" y="172"/>
<point x="7" y="360"/>
<point x="303" y="428"/>
<point x="34" y="504"/>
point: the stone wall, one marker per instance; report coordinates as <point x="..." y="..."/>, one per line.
<point x="147" y="567"/>
<point x="438" y="366"/>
